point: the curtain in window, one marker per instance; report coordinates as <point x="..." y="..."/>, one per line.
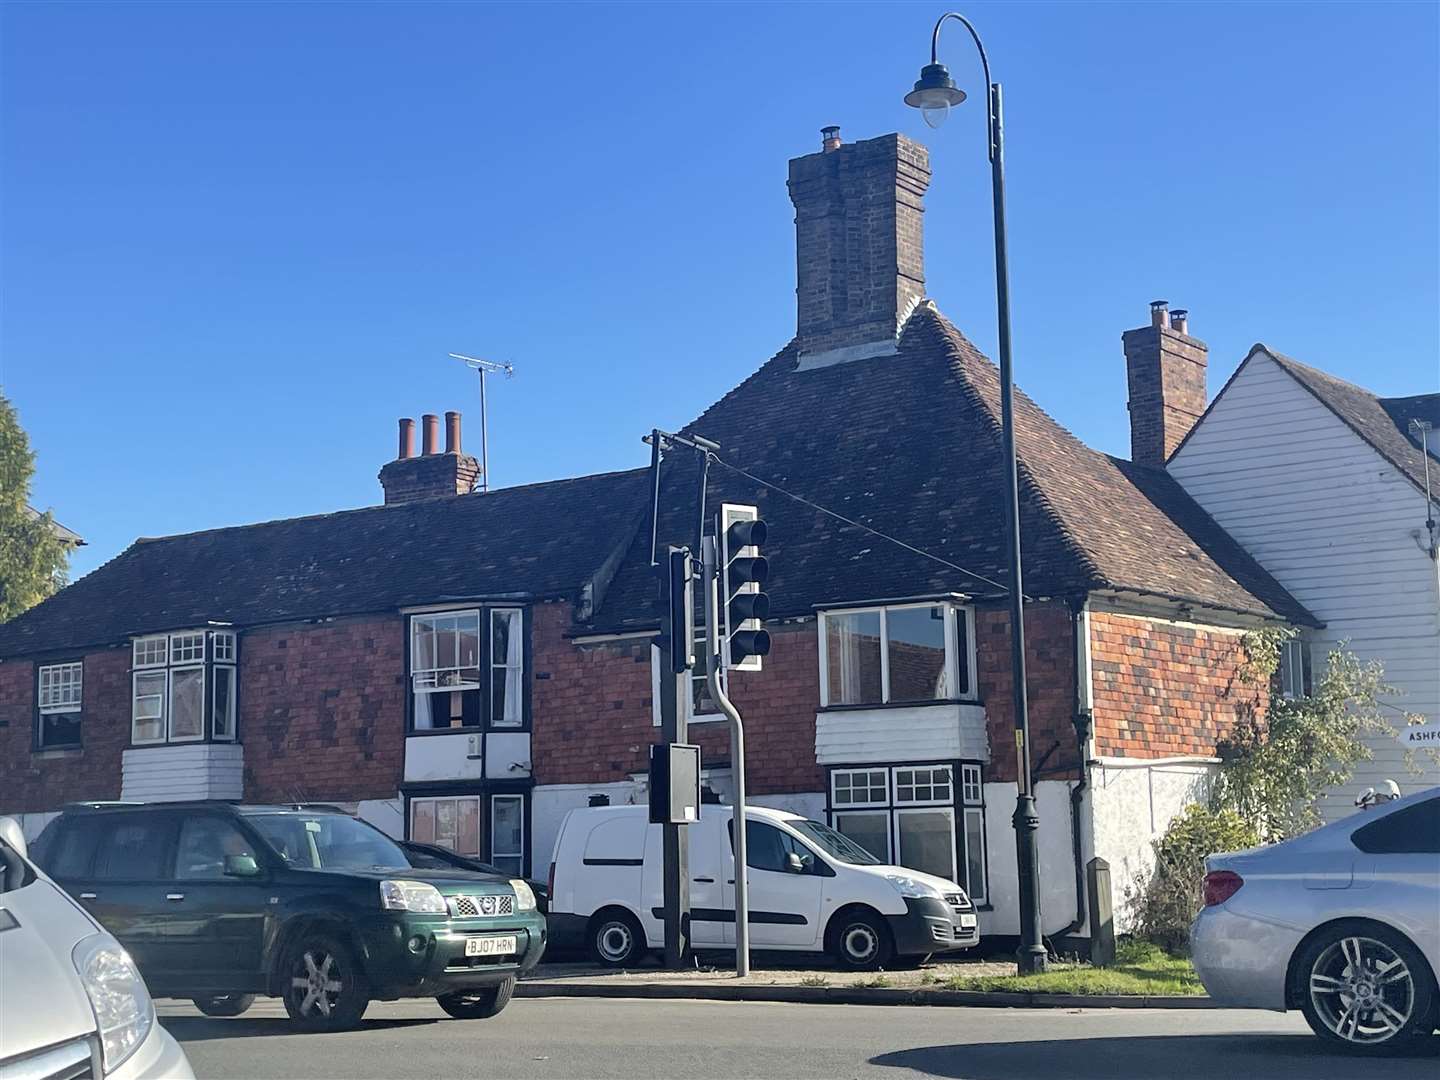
<point x="507" y="670"/>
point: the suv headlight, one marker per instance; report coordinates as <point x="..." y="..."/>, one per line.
<point x="411" y="896"/>
<point x="123" y="1010"/>
<point x="912" y="887"/>
<point x="524" y="895"/>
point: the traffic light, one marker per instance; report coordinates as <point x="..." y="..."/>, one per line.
<point x="682" y="612"/>
<point x="743" y="573"/>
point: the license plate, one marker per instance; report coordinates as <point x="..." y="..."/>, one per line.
<point x="489" y="946"/>
<point x="967" y="922"/>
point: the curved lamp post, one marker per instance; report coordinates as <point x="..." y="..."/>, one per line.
<point x="934" y="95"/>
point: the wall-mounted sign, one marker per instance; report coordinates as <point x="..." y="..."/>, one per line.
<point x="1417" y="736"/>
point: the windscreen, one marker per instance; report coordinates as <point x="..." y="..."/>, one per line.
<point x="833" y="843"/>
<point x="329" y="842"/>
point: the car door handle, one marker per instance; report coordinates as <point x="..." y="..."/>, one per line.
<point x="705" y="880"/>
<point x="87" y="896"/>
<point x="174" y="896"/>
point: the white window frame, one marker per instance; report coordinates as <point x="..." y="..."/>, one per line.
<point x="977" y="896"/>
<point x="887" y="855"/>
<point x="437" y="687"/>
<point x="913" y="801"/>
<point x="491" y="825"/>
<point x="224" y="646"/>
<point x="835" y="775"/>
<point x="227" y="673"/>
<point x="1295" y="657"/>
<point x="514" y="686"/>
<point x="64" y="684"/>
<point x="170" y="703"/>
<point x="910" y="809"/>
<point x="143" y="647"/>
<point x="188" y="641"/>
<point x="953" y="612"/>
<point x="970" y="780"/>
<point x="163" y="695"/>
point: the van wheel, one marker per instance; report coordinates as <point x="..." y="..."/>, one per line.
<point x="616" y="939"/>
<point x="324" y="988"/>
<point x="860" y="940"/>
<point x="224" y="1004"/>
<point x="478" y="1004"/>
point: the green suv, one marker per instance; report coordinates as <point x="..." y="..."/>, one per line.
<point x="219" y="903"/>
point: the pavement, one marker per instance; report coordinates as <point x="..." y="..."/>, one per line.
<point x="628" y="1039"/>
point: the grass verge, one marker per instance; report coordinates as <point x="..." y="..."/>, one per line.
<point x="1140" y="969"/>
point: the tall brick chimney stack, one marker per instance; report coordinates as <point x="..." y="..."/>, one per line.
<point x="431" y="473"/>
<point x="1166" y="368"/>
<point x="860" y="265"/>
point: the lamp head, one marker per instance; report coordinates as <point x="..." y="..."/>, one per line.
<point x="935" y="92"/>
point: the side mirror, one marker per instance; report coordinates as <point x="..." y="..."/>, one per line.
<point x="13" y="835"/>
<point x="794" y="863"/>
<point x="241" y="866"/>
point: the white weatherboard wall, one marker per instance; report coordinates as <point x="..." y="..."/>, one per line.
<point x="902" y="733"/>
<point x="183" y="771"/>
<point x="1332" y="520"/>
<point x="1132" y="803"/>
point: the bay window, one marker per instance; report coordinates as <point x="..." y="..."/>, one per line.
<point x="182" y="687"/>
<point x="451" y="687"/>
<point x="916" y="816"/>
<point x="59" y="691"/>
<point x="896" y="654"/>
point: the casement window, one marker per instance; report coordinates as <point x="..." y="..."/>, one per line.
<point x="59" y="694"/>
<point x="899" y="654"/>
<point x="1294" y="673"/>
<point x="916" y="816"/>
<point x="183" y="687"/>
<point x="451" y="686"/>
<point x="507" y="832"/>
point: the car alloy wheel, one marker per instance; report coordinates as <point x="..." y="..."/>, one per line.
<point x="1362" y="990"/>
<point x="317" y="982"/>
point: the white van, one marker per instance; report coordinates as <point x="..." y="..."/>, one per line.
<point x="811" y="889"/>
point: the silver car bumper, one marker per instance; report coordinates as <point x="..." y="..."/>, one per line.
<point x="1242" y="961"/>
<point x="159" y="1058"/>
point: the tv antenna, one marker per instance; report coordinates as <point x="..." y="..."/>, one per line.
<point x="484" y="367"/>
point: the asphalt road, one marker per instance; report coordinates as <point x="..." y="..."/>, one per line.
<point x="638" y="1040"/>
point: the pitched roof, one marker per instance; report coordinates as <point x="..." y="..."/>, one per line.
<point x="542" y="540"/>
<point x="1381" y="422"/>
<point x="909" y="445"/>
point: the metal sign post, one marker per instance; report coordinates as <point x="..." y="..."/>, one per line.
<point x="709" y="564"/>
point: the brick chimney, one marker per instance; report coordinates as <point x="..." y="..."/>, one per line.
<point x="431" y="473"/>
<point x="860" y="267"/>
<point x="1166" y="371"/>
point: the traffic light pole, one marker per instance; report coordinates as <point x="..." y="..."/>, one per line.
<point x="710" y="570"/>
<point x="675" y="840"/>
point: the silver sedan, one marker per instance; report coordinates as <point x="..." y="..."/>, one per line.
<point x="1342" y="923"/>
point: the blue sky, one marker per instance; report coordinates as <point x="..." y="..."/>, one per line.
<point x="239" y="240"/>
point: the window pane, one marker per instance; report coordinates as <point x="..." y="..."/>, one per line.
<point x="422" y="647"/>
<point x="917" y="653"/>
<point x="422" y="821"/>
<point x="507" y="668"/>
<point x="852" y="658"/>
<point x="970" y="783"/>
<point x="507" y="832"/>
<point x="148" y="710"/>
<point x="187" y="703"/>
<point x="447" y="823"/>
<point x="468" y="834"/>
<point x="975" y="854"/>
<point x="927" y="841"/>
<point x="187" y="648"/>
<point x="133" y="851"/>
<point x="963" y="687"/>
<point x="861" y="788"/>
<point x="150" y="651"/>
<point x="871" y="831"/>
<point x="59" y="687"/>
<point x="224" y="646"/>
<point x="224" y="703"/>
<point x="204" y="843"/>
<point x="926" y="784"/>
<point x="59" y="729"/>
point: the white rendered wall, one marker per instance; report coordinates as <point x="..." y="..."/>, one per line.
<point x="1057" y="863"/>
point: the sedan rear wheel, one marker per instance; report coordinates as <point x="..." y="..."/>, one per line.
<point x="1366" y="988"/>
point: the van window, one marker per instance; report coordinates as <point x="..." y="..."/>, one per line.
<point x="767" y="848"/>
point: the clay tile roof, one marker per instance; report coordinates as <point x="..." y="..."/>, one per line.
<point x="909" y="444"/>
<point x="541" y="540"/>
<point x="1381" y="422"/>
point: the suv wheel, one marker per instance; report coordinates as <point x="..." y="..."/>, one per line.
<point x="1366" y="989"/>
<point x="324" y="988"/>
<point x="224" y="1004"/>
<point x="616" y="939"/>
<point x="478" y="1004"/>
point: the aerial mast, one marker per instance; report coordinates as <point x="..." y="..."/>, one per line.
<point x="484" y="367"/>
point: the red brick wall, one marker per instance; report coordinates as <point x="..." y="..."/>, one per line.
<point x="33" y="782"/>
<point x="322" y="710"/>
<point x="1163" y="688"/>
<point x="1049" y="681"/>
<point x="594" y="720"/>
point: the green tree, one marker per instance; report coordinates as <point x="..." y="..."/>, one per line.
<point x="33" y="559"/>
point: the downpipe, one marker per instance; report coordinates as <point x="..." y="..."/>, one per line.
<point x="1083" y="721"/>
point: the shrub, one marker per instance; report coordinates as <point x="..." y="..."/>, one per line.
<point x="1164" y="906"/>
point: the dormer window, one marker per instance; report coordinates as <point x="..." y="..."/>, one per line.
<point x="896" y="654"/>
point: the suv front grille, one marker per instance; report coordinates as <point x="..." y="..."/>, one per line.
<point x="489" y="905"/>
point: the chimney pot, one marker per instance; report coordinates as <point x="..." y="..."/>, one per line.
<point x="830" y="138"/>
<point x="1179" y="320"/>
<point x="452" y="432"/>
<point x="429" y="429"/>
<point x="1160" y="313"/>
<point x="407" y="439"/>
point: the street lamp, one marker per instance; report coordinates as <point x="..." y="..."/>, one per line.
<point x="934" y="94"/>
